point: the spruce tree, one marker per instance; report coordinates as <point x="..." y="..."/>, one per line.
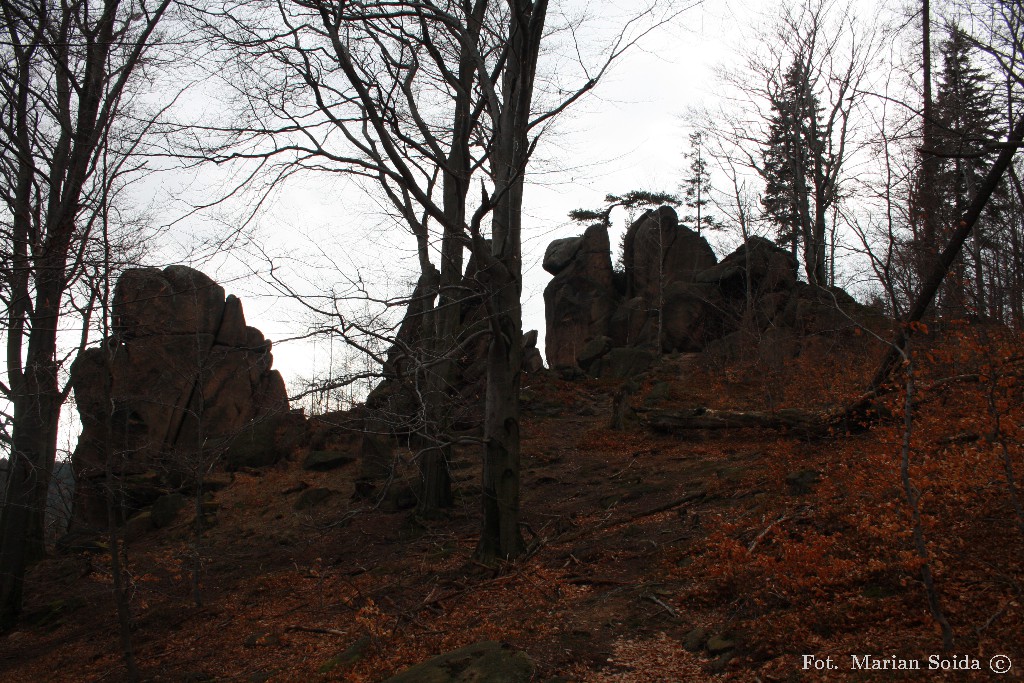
<point x="966" y="119"/>
<point x="696" y="188"/>
<point x="786" y="167"/>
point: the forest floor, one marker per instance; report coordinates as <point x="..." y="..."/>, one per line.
<point x="653" y="557"/>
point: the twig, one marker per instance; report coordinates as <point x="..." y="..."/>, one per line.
<point x="688" y="498"/>
<point x="913" y="497"/>
<point x="668" y="608"/>
<point x="753" y="544"/>
<point x="1000" y="612"/>
<point x="624" y="469"/>
<point x="595" y="581"/>
<point x="313" y="629"/>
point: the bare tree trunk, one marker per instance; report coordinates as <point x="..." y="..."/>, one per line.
<point x="941" y="267"/>
<point x="435" y="461"/>
<point x="500" y="535"/>
<point x="1016" y="270"/>
<point x="121" y="599"/>
<point x="67" y="67"/>
<point x="913" y="501"/>
<point x="37" y="401"/>
<point x="196" y="570"/>
<point x="926" y="242"/>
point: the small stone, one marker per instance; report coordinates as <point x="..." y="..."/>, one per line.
<point x="263" y="639"/>
<point x="719" y="644"/>
<point x="719" y="665"/>
<point x="325" y="461"/>
<point x="311" y="498"/>
<point x="802" y="482"/>
<point x="352" y="654"/>
<point x="695" y="639"/>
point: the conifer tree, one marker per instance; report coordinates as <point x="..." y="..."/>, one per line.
<point x="786" y="167"/>
<point x="966" y="119"/>
<point x="696" y="188"/>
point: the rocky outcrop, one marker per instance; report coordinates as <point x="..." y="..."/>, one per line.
<point x="673" y="296"/>
<point x="657" y="251"/>
<point x="580" y="299"/>
<point x="181" y="376"/>
<point x="394" y="405"/>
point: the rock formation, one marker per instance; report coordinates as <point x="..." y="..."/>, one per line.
<point x="658" y="252"/>
<point x="674" y="296"/>
<point x="180" y="377"/>
<point x="394" y="401"/>
<point x="579" y="301"/>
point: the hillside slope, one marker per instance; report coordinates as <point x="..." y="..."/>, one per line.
<point x="654" y="556"/>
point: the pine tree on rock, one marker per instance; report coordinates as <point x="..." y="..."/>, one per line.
<point x="697" y="188"/>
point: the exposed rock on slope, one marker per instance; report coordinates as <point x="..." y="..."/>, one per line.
<point x="580" y="299"/>
<point x="658" y="251"/>
<point x="674" y="297"/>
<point x="181" y="377"/>
<point x="395" y="402"/>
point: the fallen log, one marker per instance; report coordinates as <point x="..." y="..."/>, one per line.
<point x="673" y="421"/>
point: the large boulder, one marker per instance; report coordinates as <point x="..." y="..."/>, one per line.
<point x="175" y="300"/>
<point x="674" y="296"/>
<point x="691" y="316"/>
<point x="180" y="379"/>
<point x="658" y="251"/>
<point x="580" y="299"/>
<point x="759" y="262"/>
<point x="485" y="661"/>
<point x="560" y="254"/>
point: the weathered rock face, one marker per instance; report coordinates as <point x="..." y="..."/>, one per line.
<point x="181" y="377"/>
<point x="658" y="251"/>
<point x="581" y="298"/>
<point x="394" y="405"/>
<point x="676" y="297"/>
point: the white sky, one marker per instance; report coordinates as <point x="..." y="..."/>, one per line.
<point x="629" y="134"/>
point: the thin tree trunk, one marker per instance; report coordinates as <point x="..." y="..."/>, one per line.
<point x="121" y="599"/>
<point x="913" y="501"/>
<point x="927" y="239"/>
<point x="435" y="461"/>
<point x="37" y="402"/>
<point x="1016" y="269"/>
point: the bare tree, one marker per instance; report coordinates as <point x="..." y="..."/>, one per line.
<point x="66" y="74"/>
<point x="997" y="33"/>
<point x="423" y="100"/>
<point x="793" y="123"/>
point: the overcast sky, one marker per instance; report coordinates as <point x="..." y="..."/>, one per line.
<point x="630" y="133"/>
